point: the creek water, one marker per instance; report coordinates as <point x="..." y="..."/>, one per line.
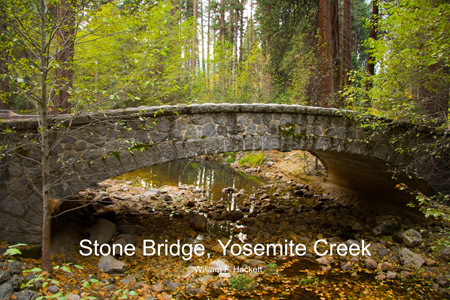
<point x="210" y="178"/>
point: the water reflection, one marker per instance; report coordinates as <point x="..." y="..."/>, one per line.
<point x="208" y="177"/>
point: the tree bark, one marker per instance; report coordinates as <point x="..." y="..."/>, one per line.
<point x="208" y="44"/>
<point x="65" y="47"/>
<point x="194" y="40"/>
<point x="346" y="43"/>
<point x="329" y="50"/>
<point x="222" y="21"/>
<point x="373" y="35"/>
<point x="45" y="143"/>
<point x="4" y="83"/>
<point x="202" y="40"/>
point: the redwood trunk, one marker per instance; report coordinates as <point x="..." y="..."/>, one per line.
<point x="65" y="38"/>
<point x="329" y="50"/>
<point x="346" y="42"/>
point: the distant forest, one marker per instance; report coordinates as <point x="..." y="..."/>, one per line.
<point x="388" y="58"/>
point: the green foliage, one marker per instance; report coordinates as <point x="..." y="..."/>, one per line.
<point x="12" y="251"/>
<point x="310" y="280"/>
<point x="271" y="268"/>
<point x="140" y="59"/>
<point x="412" y="81"/>
<point x="435" y="206"/>
<point x="230" y="157"/>
<point x="252" y="160"/>
<point x="242" y="282"/>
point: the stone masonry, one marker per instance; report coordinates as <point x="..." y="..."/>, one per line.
<point x="101" y="145"/>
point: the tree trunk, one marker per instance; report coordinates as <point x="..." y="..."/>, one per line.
<point x="222" y="21"/>
<point x="373" y="35"/>
<point x="329" y="50"/>
<point x="346" y="43"/>
<point x="241" y="37"/>
<point x="202" y="40"/>
<point x="45" y="143"/>
<point x="65" y="47"/>
<point x="194" y="39"/>
<point x="236" y="26"/>
<point x="208" y="44"/>
<point x="4" y="83"/>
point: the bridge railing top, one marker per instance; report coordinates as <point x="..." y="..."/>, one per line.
<point x="8" y="118"/>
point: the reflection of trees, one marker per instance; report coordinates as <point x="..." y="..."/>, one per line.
<point x="212" y="177"/>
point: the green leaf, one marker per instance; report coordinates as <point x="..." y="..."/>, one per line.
<point x="66" y="269"/>
<point x="12" y="251"/>
<point x="36" y="270"/>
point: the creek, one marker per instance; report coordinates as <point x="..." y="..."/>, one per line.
<point x="210" y="179"/>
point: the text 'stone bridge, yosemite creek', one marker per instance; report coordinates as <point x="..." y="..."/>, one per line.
<point x="102" y="145"/>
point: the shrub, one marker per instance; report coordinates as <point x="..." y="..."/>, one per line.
<point x="252" y="160"/>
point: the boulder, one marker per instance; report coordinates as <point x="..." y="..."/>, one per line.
<point x="323" y="260"/>
<point x="411" y="238"/>
<point x="5" y="276"/>
<point x="110" y="265"/>
<point x="387" y="225"/>
<point x="72" y="297"/>
<point x="383" y="252"/>
<point x="370" y="263"/>
<point x="197" y="222"/>
<point x="15" y="282"/>
<point x="410" y="259"/>
<point x="102" y="231"/>
<point x="391" y="275"/>
<point x="6" y="290"/>
<point x="191" y="290"/>
<point x="25" y="295"/>
<point x="235" y="215"/>
<point x="444" y="254"/>
<point x="219" y="264"/>
<point x="151" y="193"/>
<point x="173" y="286"/>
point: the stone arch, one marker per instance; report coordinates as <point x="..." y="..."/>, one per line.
<point x="106" y="144"/>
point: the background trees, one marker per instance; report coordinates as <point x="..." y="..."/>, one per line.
<point x="131" y="53"/>
<point x="409" y="77"/>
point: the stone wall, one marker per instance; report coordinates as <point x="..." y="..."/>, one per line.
<point x="102" y="145"/>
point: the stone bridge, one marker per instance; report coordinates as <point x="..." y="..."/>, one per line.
<point x="93" y="147"/>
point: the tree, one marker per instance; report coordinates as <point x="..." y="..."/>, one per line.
<point x="346" y="42"/>
<point x="329" y="49"/>
<point x="33" y="25"/>
<point x="4" y="82"/>
<point x="412" y="51"/>
<point x="373" y="34"/>
<point x="65" y="41"/>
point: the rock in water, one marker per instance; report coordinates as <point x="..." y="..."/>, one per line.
<point x="110" y="265"/>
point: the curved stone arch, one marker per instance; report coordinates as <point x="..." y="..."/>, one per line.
<point x="106" y="144"/>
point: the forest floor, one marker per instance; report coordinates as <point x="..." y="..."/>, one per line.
<point x="292" y="205"/>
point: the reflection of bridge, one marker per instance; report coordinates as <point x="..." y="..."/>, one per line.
<point x="106" y="144"/>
